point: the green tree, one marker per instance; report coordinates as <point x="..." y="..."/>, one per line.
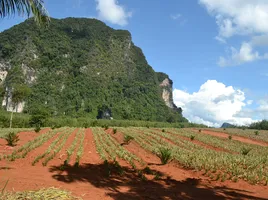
<point x="22" y="7"/>
<point x="39" y="117"/>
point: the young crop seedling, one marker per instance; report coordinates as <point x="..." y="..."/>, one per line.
<point x="164" y="154"/>
<point x="106" y="127"/>
<point x="192" y="137"/>
<point x="245" y="151"/>
<point x="127" y="139"/>
<point x="12" y="138"/>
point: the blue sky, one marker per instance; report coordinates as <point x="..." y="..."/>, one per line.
<point x="214" y="51"/>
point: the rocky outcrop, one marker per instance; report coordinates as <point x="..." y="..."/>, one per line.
<point x="167" y="87"/>
<point x="3" y="71"/>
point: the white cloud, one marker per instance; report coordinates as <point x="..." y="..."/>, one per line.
<point x="113" y="12"/>
<point x="176" y="16"/>
<point x="245" y="54"/>
<point x="240" y="17"/>
<point x="249" y="102"/>
<point x="214" y="104"/>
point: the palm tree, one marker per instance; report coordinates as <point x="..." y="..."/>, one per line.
<point x="25" y="7"/>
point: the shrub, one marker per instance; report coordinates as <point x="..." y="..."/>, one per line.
<point x="192" y="137"/>
<point x="245" y="151"/>
<point x="163" y="130"/>
<point x="230" y="137"/>
<point x="256" y="132"/>
<point x="37" y="129"/>
<point x="224" y="129"/>
<point x="127" y="139"/>
<point x="200" y="130"/>
<point x="12" y="138"/>
<point x="114" y="131"/>
<point x="164" y="154"/>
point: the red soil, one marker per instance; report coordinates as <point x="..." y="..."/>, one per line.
<point x="62" y="155"/>
<point x="89" y="180"/>
<point x="24" y="138"/>
<point x="234" y="137"/>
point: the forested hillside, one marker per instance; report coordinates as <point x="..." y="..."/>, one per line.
<point x="81" y="68"/>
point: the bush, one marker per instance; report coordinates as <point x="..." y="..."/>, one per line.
<point x="200" y="130"/>
<point x="230" y="137"/>
<point x="256" y="132"/>
<point x="245" y="151"/>
<point x="12" y="138"/>
<point x="163" y="130"/>
<point x="37" y="129"/>
<point x="164" y="154"/>
<point x="114" y="131"/>
<point x="127" y="139"/>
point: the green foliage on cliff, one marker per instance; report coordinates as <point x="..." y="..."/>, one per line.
<point x="77" y="67"/>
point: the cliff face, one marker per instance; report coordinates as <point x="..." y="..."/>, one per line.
<point x="167" y="92"/>
<point x="81" y="67"/>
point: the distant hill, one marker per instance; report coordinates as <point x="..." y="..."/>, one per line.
<point x="81" y="67"/>
<point x="227" y="125"/>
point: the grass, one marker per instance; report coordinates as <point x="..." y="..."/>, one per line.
<point x="48" y="193"/>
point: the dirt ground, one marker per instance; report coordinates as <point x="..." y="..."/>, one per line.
<point x="90" y="181"/>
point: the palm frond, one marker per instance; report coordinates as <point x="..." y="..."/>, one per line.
<point x="25" y="7"/>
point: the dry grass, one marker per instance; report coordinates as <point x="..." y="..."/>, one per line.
<point x="43" y="194"/>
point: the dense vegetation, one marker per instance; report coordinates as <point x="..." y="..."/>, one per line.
<point x="82" y="68"/>
<point x="263" y="125"/>
<point x="26" y="121"/>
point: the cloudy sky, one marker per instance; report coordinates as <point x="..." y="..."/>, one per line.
<point x="216" y="52"/>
